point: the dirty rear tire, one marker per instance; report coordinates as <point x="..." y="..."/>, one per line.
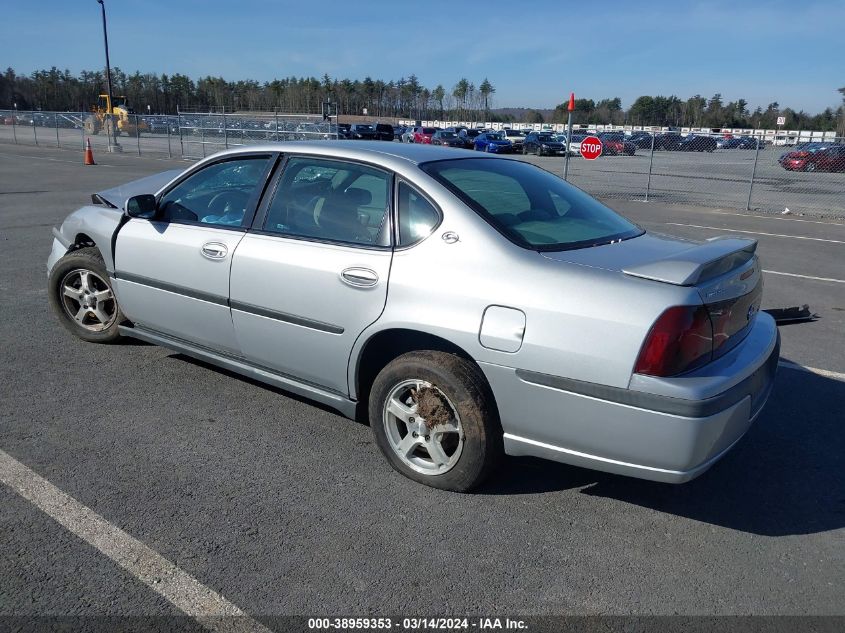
<point x="88" y="258"/>
<point x="465" y="386"/>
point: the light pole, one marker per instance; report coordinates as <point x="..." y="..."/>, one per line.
<point x="108" y="73"/>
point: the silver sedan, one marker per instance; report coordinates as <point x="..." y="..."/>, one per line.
<point x="468" y="306"/>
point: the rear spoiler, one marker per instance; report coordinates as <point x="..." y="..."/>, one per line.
<point x="116" y="197"/>
<point x="699" y="263"/>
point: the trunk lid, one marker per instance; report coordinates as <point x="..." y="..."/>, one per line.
<point x="724" y="271"/>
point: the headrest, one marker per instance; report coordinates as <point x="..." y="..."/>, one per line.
<point x="357" y="197"/>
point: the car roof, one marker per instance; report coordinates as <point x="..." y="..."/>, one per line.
<point x="372" y="151"/>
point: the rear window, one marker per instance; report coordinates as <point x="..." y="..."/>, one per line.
<point x="429" y="130"/>
<point x="530" y="206"/>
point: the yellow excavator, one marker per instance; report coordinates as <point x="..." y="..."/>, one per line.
<point x="115" y="117"/>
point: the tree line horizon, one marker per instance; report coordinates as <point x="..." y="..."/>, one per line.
<point x="60" y="90"/>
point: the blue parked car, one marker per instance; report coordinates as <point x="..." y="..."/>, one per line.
<point x="493" y="142"/>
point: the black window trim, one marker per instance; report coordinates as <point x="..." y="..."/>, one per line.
<point x="257" y="225"/>
<point x="254" y="201"/>
<point x="401" y="179"/>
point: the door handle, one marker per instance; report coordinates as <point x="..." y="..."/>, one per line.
<point x="359" y="277"/>
<point x="214" y="250"/>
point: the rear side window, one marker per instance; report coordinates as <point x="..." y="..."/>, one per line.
<point x="417" y="216"/>
<point x="331" y="200"/>
<point x="530" y="206"/>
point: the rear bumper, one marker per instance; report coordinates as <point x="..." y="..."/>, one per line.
<point x="628" y="432"/>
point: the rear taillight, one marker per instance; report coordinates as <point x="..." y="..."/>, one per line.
<point x="681" y="339"/>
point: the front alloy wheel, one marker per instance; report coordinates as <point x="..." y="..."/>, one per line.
<point x="80" y="293"/>
<point x="88" y="300"/>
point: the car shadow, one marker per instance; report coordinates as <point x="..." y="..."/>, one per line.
<point x="785" y="477"/>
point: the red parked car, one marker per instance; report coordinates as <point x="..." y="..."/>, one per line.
<point x="815" y="157"/>
<point x="424" y="134"/>
<point x="615" y="144"/>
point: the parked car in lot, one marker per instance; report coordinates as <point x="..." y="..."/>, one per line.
<point x="423" y="134"/>
<point x="815" y="157"/>
<point x="615" y="144"/>
<point x="493" y="142"/>
<point x="516" y="137"/>
<point x="398" y="131"/>
<point x="669" y="141"/>
<point x="641" y="140"/>
<point x="384" y="132"/>
<point x="448" y="139"/>
<point x="584" y="340"/>
<point x="544" y="144"/>
<point x="468" y="136"/>
<point x="737" y="142"/>
<point x="344" y="131"/>
<point x="697" y="143"/>
<point x="363" y="132"/>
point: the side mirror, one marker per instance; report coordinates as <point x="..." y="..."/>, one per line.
<point x="143" y="206"/>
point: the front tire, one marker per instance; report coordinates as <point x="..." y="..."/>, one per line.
<point x="433" y="418"/>
<point x="81" y="296"/>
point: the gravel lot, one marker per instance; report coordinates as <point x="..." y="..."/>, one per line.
<point x="284" y="507"/>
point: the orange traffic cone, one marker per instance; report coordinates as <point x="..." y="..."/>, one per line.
<point x="89" y="154"/>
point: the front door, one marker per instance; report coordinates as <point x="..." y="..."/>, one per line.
<point x="314" y="273"/>
<point x="172" y="271"/>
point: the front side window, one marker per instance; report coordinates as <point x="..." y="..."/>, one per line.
<point x="218" y="194"/>
<point x="530" y="206"/>
<point x="417" y="216"/>
<point x="331" y="200"/>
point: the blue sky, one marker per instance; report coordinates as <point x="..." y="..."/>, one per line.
<point x="534" y="53"/>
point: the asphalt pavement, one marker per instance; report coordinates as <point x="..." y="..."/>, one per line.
<point x="283" y="507"/>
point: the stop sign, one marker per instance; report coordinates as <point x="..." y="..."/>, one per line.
<point x="591" y="148"/>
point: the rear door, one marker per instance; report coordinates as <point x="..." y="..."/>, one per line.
<point x="313" y="272"/>
<point x="172" y="270"/>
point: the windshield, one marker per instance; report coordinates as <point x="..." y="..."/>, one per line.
<point x="448" y="135"/>
<point x="364" y="128"/>
<point x="530" y="206"/>
<point x="546" y="138"/>
<point x="495" y="137"/>
<point x="429" y="130"/>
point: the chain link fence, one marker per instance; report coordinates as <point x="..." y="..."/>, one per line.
<point x="204" y="133"/>
<point x="733" y="171"/>
<point x="185" y="135"/>
<point x="755" y="170"/>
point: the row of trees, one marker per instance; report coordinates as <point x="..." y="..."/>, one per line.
<point x="56" y="89"/>
<point x="700" y="112"/>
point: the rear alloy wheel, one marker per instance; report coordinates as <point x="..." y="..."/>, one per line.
<point x="810" y="167"/>
<point x="432" y="417"/>
<point x="81" y="295"/>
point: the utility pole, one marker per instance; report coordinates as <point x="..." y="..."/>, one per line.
<point x="108" y="74"/>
